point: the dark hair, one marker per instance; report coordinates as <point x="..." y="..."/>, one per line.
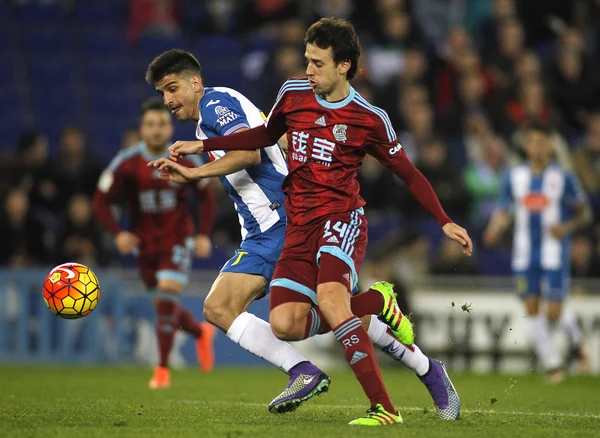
<point x="339" y="34"/>
<point x="27" y="139"/>
<point x="153" y="104"/>
<point x="535" y="125"/>
<point x="174" y="61"/>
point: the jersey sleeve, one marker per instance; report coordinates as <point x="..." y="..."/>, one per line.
<point x="506" y="195"/>
<point x="223" y="114"/>
<point x="574" y="193"/>
<point x="109" y="185"/>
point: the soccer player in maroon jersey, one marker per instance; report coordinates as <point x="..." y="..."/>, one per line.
<point x="162" y="232"/>
<point x="329" y="129"/>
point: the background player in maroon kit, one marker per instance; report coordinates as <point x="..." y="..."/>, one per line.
<point x="162" y="232"/>
<point x="329" y="129"/>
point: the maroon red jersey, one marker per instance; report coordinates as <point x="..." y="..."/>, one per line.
<point x="159" y="209"/>
<point x="327" y="143"/>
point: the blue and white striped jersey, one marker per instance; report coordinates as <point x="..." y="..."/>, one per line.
<point x="540" y="202"/>
<point x="256" y="191"/>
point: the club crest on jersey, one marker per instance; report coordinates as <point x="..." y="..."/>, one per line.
<point x="339" y="132"/>
<point x="225" y="115"/>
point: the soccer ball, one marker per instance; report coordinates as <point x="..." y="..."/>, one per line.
<point x="71" y="290"/>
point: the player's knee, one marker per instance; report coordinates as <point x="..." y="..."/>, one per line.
<point x="332" y="302"/>
<point x="169" y="286"/>
<point x="218" y="313"/>
<point x="553" y="313"/>
<point x="283" y="325"/>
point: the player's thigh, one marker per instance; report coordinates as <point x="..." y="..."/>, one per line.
<point x="528" y="284"/>
<point x="173" y="270"/>
<point x="232" y="292"/>
<point x="556" y="289"/>
<point x="293" y="293"/>
<point x="341" y="249"/>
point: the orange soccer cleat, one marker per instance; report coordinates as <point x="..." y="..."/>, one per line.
<point x="204" y="347"/>
<point x="161" y="378"/>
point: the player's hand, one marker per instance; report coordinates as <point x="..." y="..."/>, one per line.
<point x="126" y="242"/>
<point x="202" y="246"/>
<point x="559" y="231"/>
<point x="460" y="235"/>
<point x="491" y="237"/>
<point x="180" y="149"/>
<point x="172" y="171"/>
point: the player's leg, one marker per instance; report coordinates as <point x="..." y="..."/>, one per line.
<point x="529" y="284"/>
<point x="172" y="277"/>
<point x="430" y="371"/>
<point x="556" y="293"/>
<point x="333" y="296"/>
<point x="231" y="294"/>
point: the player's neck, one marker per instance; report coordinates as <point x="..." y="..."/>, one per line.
<point x="339" y="93"/>
<point x="538" y="167"/>
<point x="199" y="96"/>
<point x="156" y="152"/>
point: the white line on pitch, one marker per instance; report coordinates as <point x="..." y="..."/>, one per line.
<point x="407" y="408"/>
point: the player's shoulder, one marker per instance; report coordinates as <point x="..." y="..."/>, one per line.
<point x="294" y="86"/>
<point x="378" y="116"/>
<point x="125" y="156"/>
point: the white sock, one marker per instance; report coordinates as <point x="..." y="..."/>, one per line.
<point x="568" y="323"/>
<point x="411" y="356"/>
<point x="539" y="334"/>
<point x="255" y="335"/>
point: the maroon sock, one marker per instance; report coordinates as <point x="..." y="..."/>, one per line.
<point x="188" y="323"/>
<point x="359" y="353"/>
<point x="315" y="323"/>
<point x="367" y="303"/>
<point x="166" y="325"/>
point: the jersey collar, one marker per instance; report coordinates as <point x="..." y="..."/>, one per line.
<point x="336" y="105"/>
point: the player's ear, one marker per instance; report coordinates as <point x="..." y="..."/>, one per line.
<point x="344" y="66"/>
<point x="197" y="84"/>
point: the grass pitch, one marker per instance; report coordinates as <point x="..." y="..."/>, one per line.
<point x="115" y="401"/>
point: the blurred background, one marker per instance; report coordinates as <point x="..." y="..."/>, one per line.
<point x="459" y="78"/>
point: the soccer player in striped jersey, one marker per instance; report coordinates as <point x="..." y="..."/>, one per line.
<point x="252" y="179"/>
<point x="548" y="206"/>
<point x="329" y="129"/>
<point x="162" y="233"/>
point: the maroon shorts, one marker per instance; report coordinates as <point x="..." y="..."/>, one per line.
<point x="312" y="254"/>
<point x="172" y="264"/>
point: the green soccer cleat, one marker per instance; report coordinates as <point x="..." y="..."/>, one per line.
<point x="392" y="315"/>
<point x="377" y="416"/>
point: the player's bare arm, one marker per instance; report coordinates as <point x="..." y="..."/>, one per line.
<point x="499" y="223"/>
<point x="582" y="216"/>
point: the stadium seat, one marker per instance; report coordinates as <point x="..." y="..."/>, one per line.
<point x="103" y="41"/>
<point x="101" y="11"/>
<point x="43" y="39"/>
<point x="150" y="45"/>
<point x="42" y="13"/>
<point x="107" y="71"/>
<point x="208" y="49"/>
<point x="51" y="71"/>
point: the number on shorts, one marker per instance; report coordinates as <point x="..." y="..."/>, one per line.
<point x="339" y="226"/>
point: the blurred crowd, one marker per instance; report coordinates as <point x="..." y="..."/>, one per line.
<point x="458" y="78"/>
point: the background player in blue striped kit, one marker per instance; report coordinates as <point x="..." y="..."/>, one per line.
<point x="548" y="205"/>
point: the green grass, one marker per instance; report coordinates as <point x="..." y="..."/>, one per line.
<point x="104" y="401"/>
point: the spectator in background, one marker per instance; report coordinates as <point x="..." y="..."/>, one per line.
<point x="433" y="162"/>
<point x="153" y="16"/>
<point x="79" y="238"/>
<point x="436" y="17"/>
<point x="447" y="260"/>
<point x="527" y="69"/>
<point x="587" y="162"/>
<point x="584" y="262"/>
<point x="531" y="104"/>
<point x="378" y="187"/>
<point x="32" y="172"/>
<point x="74" y="171"/>
<point x="483" y="180"/>
<point x="501" y="11"/>
<point x="420" y="129"/>
<point x="511" y="46"/>
<point x="24" y="241"/>
<point x="130" y="137"/>
<point x="446" y="67"/>
<point x="575" y="87"/>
